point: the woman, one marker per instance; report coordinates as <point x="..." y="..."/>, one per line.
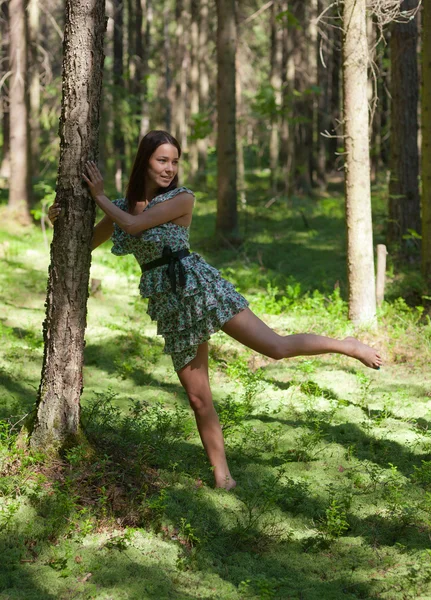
<point x="187" y="297"/>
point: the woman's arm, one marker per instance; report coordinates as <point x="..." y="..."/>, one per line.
<point x="156" y="215"/>
<point x="102" y="232"/>
<point x="133" y="224"/>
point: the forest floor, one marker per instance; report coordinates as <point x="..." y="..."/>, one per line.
<point x="333" y="460"/>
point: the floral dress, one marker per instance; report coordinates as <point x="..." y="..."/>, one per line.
<point x="190" y="315"/>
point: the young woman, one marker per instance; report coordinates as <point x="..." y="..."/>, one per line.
<point x="187" y="297"/>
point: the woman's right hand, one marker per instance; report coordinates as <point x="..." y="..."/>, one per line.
<point x="53" y="212"/>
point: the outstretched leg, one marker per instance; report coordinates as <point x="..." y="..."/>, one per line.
<point x="194" y="378"/>
<point x="248" y="329"/>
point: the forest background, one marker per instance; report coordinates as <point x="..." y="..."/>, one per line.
<point x="142" y="498"/>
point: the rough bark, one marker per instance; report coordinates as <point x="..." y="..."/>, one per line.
<point x="360" y="257"/>
<point x="19" y="183"/>
<point x="56" y="423"/>
<point x="426" y="144"/>
<point x="227" y="216"/>
<point x="404" y="202"/>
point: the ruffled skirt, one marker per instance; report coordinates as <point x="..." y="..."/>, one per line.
<point x="189" y="317"/>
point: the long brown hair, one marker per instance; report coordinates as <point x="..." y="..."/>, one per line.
<point x="135" y="190"/>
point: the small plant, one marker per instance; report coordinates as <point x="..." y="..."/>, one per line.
<point x="308" y="443"/>
<point x="187" y="534"/>
<point x="120" y="542"/>
<point x="335" y="522"/>
<point x="422" y="474"/>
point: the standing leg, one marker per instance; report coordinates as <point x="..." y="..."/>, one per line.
<point x="194" y="378"/>
<point x="249" y="330"/>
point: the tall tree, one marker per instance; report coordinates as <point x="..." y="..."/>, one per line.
<point x="426" y="143"/>
<point x="227" y="215"/>
<point x="203" y="78"/>
<point x="276" y="80"/>
<point x="360" y="257"/>
<point x="404" y="202"/>
<point x="34" y="83"/>
<point x="19" y="186"/>
<point x="147" y="9"/>
<point x="194" y="84"/>
<point x="119" y="144"/>
<point x="56" y="422"/>
<point x="4" y="95"/>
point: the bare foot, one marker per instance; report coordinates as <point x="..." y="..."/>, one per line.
<point x="228" y="483"/>
<point x="368" y="356"/>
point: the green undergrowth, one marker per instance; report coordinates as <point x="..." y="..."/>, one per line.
<point x="332" y="460"/>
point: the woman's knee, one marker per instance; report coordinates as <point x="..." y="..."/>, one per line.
<point x="200" y="402"/>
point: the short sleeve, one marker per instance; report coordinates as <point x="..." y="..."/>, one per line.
<point x="169" y="195"/>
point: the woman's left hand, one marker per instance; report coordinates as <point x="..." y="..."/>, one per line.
<point x="94" y="179"/>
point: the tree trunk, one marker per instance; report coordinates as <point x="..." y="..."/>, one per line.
<point x="275" y="79"/>
<point x="227" y="216"/>
<point x="360" y="258"/>
<point x="324" y="60"/>
<point x="426" y="144"/>
<point x="145" y="120"/>
<point x="404" y="202"/>
<point x="287" y="149"/>
<point x="34" y="83"/>
<point x="19" y="182"/>
<point x="4" y="96"/>
<point x="203" y="80"/>
<point x="168" y="76"/>
<point x="181" y="59"/>
<point x="334" y="142"/>
<point x="194" y="85"/>
<point x="119" y="145"/>
<point x="56" y="423"/>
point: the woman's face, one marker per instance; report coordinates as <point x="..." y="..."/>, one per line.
<point x="163" y="165"/>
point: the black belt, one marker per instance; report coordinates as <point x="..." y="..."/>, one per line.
<point x="170" y="258"/>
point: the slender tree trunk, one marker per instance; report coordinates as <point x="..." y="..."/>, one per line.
<point x="145" y="120"/>
<point x="334" y="142"/>
<point x="404" y="202"/>
<point x="34" y="83"/>
<point x="304" y="101"/>
<point x="181" y="58"/>
<point x="324" y="60"/>
<point x="360" y="258"/>
<point x="287" y="149"/>
<point x="227" y="216"/>
<point x="56" y="423"/>
<point x="194" y="85"/>
<point x="168" y="75"/>
<point x="241" y="185"/>
<point x="426" y="144"/>
<point x="276" y="83"/>
<point x="4" y="95"/>
<point x="119" y="145"/>
<point x="19" y="183"/>
<point x="203" y="79"/>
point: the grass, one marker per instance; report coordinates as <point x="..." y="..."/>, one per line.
<point x="333" y="460"/>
